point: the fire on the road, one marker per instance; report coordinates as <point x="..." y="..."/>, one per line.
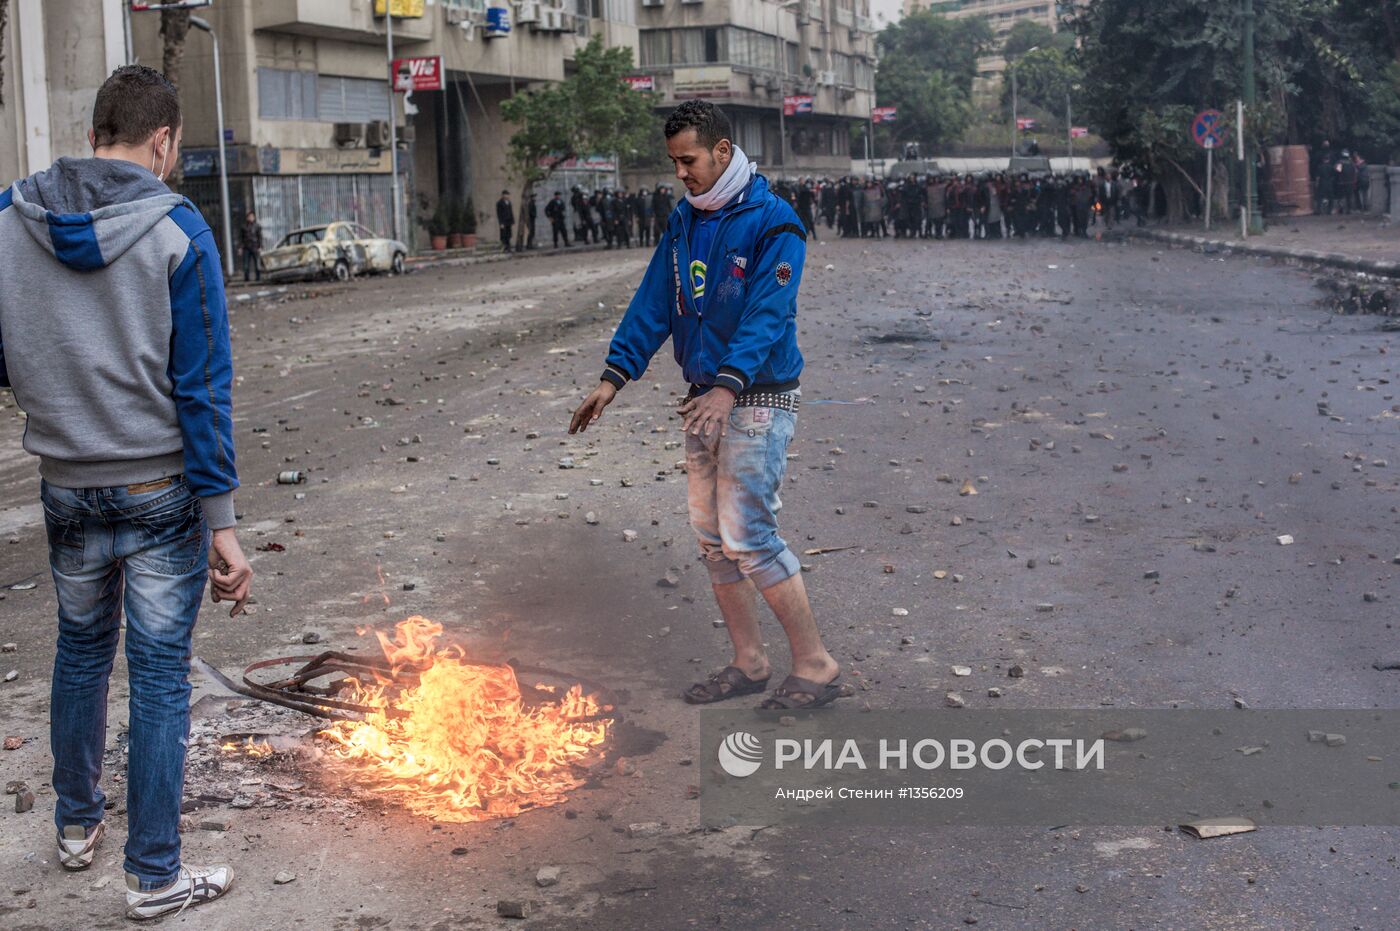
<point x="461" y="744"/>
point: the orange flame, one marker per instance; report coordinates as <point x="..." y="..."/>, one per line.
<point x="461" y="745"/>
<point x="248" y="746"/>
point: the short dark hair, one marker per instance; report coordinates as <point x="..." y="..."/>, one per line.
<point x="132" y="104"/>
<point x="708" y="121"/>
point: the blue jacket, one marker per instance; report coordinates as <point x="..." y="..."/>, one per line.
<point x="746" y="332"/>
<point x="114" y="331"/>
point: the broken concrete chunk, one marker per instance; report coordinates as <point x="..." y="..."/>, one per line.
<point x="643" y="829"/>
<point x="283" y="877"/>
<point x="547" y="876"/>
<point x="512" y="908"/>
<point x="1206" y="828"/>
<point x="1126" y="735"/>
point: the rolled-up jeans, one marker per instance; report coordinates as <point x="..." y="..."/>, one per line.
<point x="145" y="547"/>
<point x="733" y="484"/>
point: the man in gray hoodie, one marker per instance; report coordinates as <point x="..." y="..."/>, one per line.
<point x="114" y="336"/>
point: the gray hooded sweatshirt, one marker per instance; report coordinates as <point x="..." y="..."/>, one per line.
<point x="114" y="331"/>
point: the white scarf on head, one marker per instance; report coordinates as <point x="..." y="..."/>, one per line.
<point x="730" y="184"/>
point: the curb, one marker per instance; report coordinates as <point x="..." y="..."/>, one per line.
<point x="1339" y="260"/>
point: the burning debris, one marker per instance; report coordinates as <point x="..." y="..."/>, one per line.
<point x="449" y="738"/>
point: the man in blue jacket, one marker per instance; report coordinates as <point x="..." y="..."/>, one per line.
<point x="114" y="336"/>
<point x="722" y="284"/>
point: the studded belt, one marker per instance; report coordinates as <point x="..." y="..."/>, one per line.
<point x="756" y="397"/>
<point x="779" y="400"/>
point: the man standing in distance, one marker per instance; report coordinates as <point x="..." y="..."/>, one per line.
<point x="114" y="335"/>
<point x="722" y="284"/>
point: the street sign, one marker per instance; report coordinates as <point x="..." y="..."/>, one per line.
<point x="418" y="74"/>
<point x="793" y="105"/>
<point x="1209" y="129"/>
<point x="883" y="114"/>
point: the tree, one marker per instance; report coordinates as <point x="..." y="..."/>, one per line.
<point x="927" y="66"/>
<point x="174" y="27"/>
<point x="1323" y="70"/>
<point x="1044" y="79"/>
<point x="1025" y="35"/>
<point x="591" y="112"/>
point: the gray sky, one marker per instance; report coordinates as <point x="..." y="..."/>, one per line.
<point x="890" y="8"/>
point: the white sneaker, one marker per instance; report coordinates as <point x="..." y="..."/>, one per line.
<point x="76" y="847"/>
<point x="192" y="887"/>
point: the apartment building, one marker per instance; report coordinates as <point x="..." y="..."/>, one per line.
<point x="792" y="76"/>
<point x="307" y="101"/>
<point x="53" y="58"/>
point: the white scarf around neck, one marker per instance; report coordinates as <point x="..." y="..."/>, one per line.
<point x="730" y="184"/>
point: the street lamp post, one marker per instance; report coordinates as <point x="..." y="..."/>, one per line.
<point x="1256" y="217"/>
<point x="393" y="116"/>
<point x="203" y="25"/>
<point x="1015" y="102"/>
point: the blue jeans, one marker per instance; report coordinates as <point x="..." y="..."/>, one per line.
<point x="733" y="487"/>
<point x="147" y="548"/>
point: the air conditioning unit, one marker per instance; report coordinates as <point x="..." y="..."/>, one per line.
<point x="692" y="1"/>
<point x="455" y="15"/>
<point x="348" y="135"/>
<point x="377" y="134"/>
<point x="555" y="20"/>
<point x="827" y="79"/>
<point x="654" y="3"/>
<point x="528" y="12"/>
<point x="863" y="23"/>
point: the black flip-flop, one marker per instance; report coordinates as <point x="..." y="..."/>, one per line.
<point x="729" y="682"/>
<point x="791" y="694"/>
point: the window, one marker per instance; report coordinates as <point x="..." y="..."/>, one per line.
<point x="286" y="95"/>
<point x="699" y="46"/>
<point x="351" y="100"/>
<point x="655" y="47"/>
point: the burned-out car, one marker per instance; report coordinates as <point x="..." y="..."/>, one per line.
<point x="338" y="250"/>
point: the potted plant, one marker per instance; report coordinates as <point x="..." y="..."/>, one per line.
<point x="437" y="227"/>
<point x="468" y="223"/>
<point x="454" y="225"/>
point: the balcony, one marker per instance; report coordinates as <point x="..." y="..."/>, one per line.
<point x="352" y="21"/>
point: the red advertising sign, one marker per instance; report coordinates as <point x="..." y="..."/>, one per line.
<point x="418" y="74"/>
<point x="640" y="82"/>
<point x="1026" y="124"/>
<point x="883" y="114"/>
<point x="1078" y="132"/>
<point x="794" y="105"/>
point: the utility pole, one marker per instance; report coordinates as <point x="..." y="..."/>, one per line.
<point x="1014" y="110"/>
<point x="203" y="24"/>
<point x="1069" y="129"/>
<point x="1251" y="202"/>
<point x="393" y="117"/>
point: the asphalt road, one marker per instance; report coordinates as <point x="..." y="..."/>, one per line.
<point x="1172" y="396"/>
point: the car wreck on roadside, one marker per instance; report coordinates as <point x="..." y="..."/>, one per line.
<point x="338" y="250"/>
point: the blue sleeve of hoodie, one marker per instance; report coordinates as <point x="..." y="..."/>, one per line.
<point x="201" y="369"/>
<point x="646" y="324"/>
<point x="5" y="199"/>
<point x="770" y="302"/>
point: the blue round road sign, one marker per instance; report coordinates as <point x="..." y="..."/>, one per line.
<point x="1209" y="129"/>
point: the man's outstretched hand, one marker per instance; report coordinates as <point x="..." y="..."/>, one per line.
<point x="592" y="407"/>
<point x="230" y="576"/>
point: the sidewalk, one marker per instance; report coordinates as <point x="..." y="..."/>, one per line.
<point x="482" y="253"/>
<point x="1356" y="243"/>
